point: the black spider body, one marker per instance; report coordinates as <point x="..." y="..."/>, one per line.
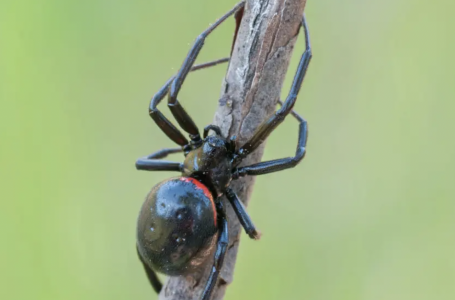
<point x="178" y="220"/>
<point x="177" y="226"/>
<point x="183" y="219"/>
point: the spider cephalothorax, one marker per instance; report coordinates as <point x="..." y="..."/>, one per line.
<point x="183" y="218"/>
<point x="211" y="163"/>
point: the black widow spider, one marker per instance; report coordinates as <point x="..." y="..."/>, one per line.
<point x="181" y="217"/>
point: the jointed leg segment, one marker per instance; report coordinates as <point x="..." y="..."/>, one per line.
<point x="152" y="162"/>
<point x="279" y="164"/>
<point x="166" y="126"/>
<point x="182" y="117"/>
<point x="222" y="244"/>
<point x="151" y="275"/>
<point x="243" y="216"/>
<point x="266" y="128"/>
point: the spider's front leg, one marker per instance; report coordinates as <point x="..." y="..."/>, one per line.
<point x="266" y="128"/>
<point x="173" y="86"/>
<point x="153" y="161"/>
<point x="182" y="117"/>
<point x="163" y="123"/>
<point x="279" y="164"/>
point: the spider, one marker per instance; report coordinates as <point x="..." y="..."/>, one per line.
<point x="183" y="218"/>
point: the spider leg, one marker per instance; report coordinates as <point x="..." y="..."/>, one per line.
<point x="166" y="126"/>
<point x="278" y="164"/>
<point x="278" y="117"/>
<point x="222" y="244"/>
<point x="182" y="117"/>
<point x="152" y="162"/>
<point x="243" y="216"/>
<point x="215" y="128"/>
<point x="151" y="275"/>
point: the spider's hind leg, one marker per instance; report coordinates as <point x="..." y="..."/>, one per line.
<point x="221" y="248"/>
<point x="151" y="275"/>
<point x="242" y="214"/>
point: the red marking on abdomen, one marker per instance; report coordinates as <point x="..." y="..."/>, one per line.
<point x="205" y="190"/>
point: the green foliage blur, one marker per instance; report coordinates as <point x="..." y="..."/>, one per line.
<point x="368" y="215"/>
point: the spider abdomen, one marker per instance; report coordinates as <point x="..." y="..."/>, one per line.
<point x="177" y="226"/>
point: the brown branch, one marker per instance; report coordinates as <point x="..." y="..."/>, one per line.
<point x="249" y="94"/>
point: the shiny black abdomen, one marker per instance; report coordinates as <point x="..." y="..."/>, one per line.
<point x="177" y="226"/>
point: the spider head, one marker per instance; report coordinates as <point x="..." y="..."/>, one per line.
<point x="218" y="140"/>
<point x="215" y="146"/>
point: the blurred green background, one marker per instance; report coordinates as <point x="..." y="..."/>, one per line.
<point x="369" y="214"/>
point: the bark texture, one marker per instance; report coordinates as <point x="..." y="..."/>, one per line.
<point x="250" y="92"/>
